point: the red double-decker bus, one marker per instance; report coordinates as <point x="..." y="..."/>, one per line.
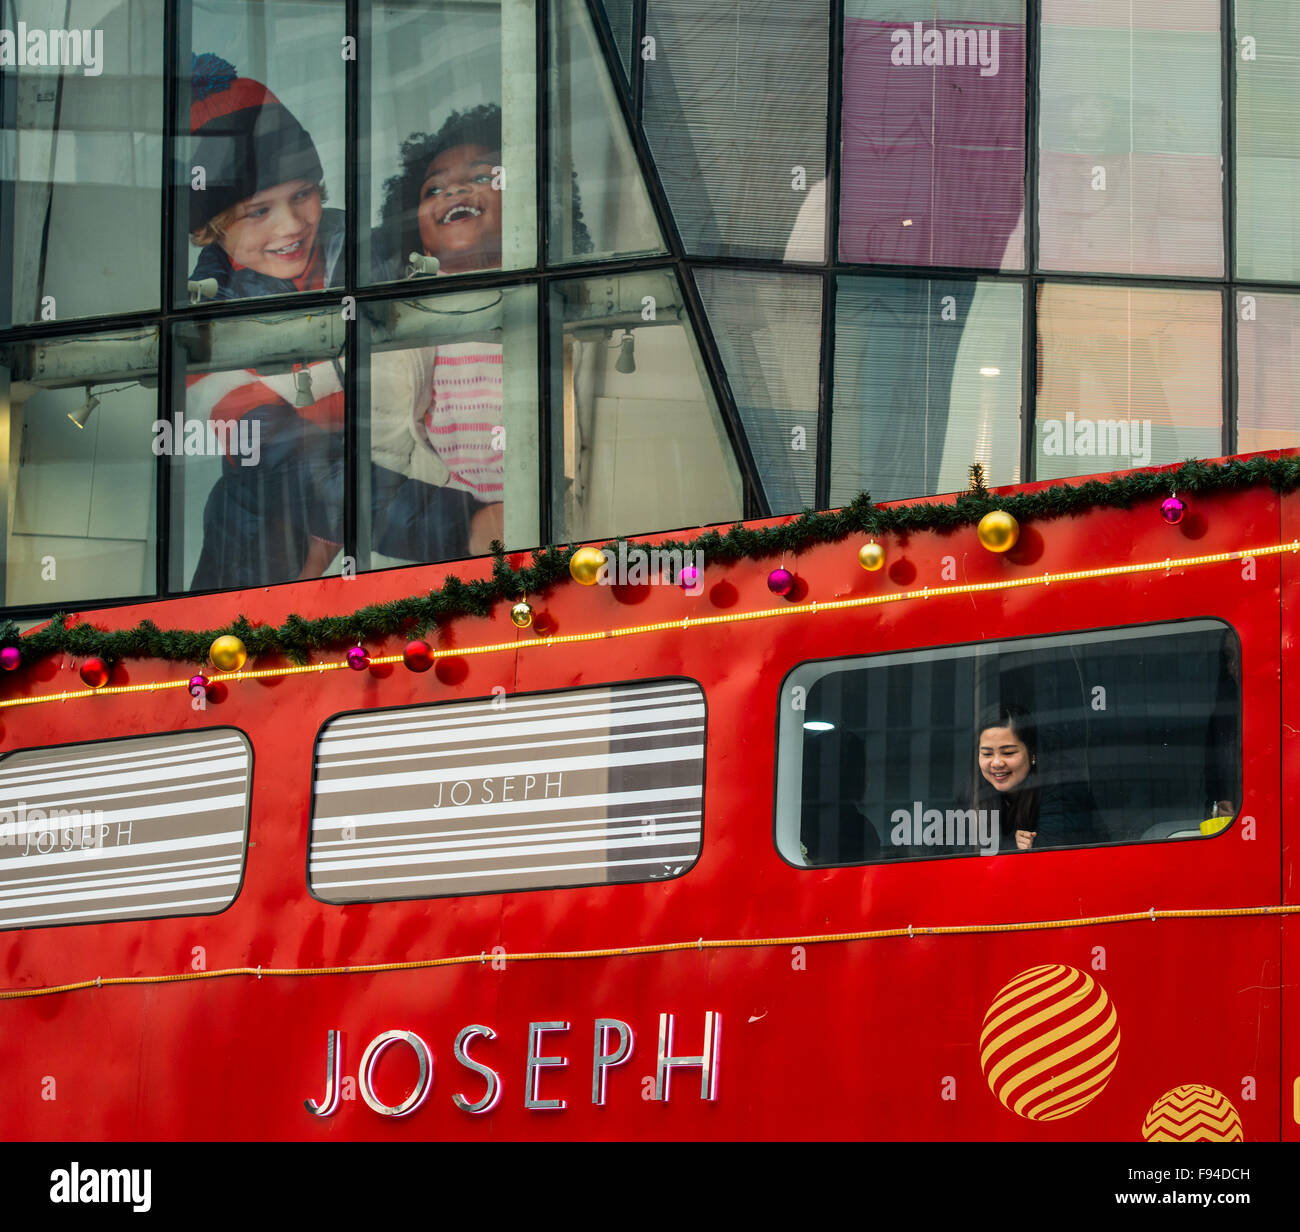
<point x="693" y="861"/>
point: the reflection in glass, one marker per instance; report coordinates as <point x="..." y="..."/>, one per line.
<point x="621" y="15"/>
<point x="1268" y="371"/>
<point x="768" y="331"/>
<point x="451" y="419"/>
<point x="599" y="206"/>
<point x="80" y="162"/>
<point x="1267" y="149"/>
<point x="638" y="444"/>
<point x="1126" y="377"/>
<point x="449" y="163"/>
<point x="735" y="115"/>
<point x="927" y="381"/>
<point x="1131" y="170"/>
<point x="934" y="133"/>
<point x="264" y="107"/>
<point x="257" y="475"/>
<point x="77" y="417"/>
<point x="907" y="756"/>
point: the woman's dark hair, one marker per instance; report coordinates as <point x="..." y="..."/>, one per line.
<point x="1020" y="810"/>
<point x="399" y="219"/>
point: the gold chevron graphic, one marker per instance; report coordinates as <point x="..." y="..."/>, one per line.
<point x="1193" y="1113"/>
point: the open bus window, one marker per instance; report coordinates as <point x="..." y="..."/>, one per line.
<point x="1104" y="737"/>
<point x="129" y="829"/>
<point x="585" y="787"/>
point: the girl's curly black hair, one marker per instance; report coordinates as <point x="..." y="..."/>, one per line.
<point x="399" y="221"/>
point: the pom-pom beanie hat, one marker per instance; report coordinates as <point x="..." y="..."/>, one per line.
<point x="247" y="140"/>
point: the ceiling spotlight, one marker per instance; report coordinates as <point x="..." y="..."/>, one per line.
<point x="990" y="372"/>
<point x="626" y="355"/>
<point x="304" y="396"/>
<point x="818" y="725"/>
<point x="420" y="264"/>
<point x="85" y="410"/>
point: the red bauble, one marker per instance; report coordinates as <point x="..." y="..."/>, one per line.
<point x="95" y="672"/>
<point x="418" y="656"/>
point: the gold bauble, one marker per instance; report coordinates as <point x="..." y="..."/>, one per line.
<point x="521" y="615"/>
<point x="871" y="556"/>
<point x="585" y="564"/>
<point x="228" y="653"/>
<point x="998" y="531"/>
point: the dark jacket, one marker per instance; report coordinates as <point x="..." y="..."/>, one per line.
<point x="246" y="283"/>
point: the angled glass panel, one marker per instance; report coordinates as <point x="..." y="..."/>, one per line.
<point x="1127" y="377"/>
<point x="449" y="423"/>
<point x="78" y="417"/>
<point x="621" y="15"/>
<point x="1130" y="138"/>
<point x="1268" y="371"/>
<point x="599" y="206"/>
<point x="256" y="447"/>
<point x="933" y="135"/>
<point x="735" y="114"/>
<point x="81" y="117"/>
<point x="638" y="443"/>
<point x="768" y="331"/>
<point x="1268" y="140"/>
<point x="448" y="168"/>
<point x="261" y="157"/>
<point x="927" y="381"/>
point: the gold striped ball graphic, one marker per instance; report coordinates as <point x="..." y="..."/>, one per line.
<point x="1049" y="1043"/>
<point x="1193" y="1113"/>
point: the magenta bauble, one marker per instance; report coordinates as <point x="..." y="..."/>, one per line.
<point x="10" y="657"/>
<point x="690" y="578"/>
<point x="358" y="660"/>
<point x="1172" y="510"/>
<point x="780" y="582"/>
<point x="198" y="685"/>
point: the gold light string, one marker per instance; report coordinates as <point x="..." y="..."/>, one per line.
<point x="1150" y="915"/>
<point x="688" y="622"/>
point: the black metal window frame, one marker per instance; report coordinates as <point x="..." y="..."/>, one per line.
<point x="542" y="275"/>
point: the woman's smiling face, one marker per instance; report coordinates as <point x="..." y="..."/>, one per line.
<point x="276" y="229"/>
<point x="459" y="211"/>
<point x="1004" y="759"/>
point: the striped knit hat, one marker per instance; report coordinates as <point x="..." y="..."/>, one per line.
<point x="248" y="140"/>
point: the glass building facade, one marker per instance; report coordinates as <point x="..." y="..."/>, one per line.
<point x="295" y="287"/>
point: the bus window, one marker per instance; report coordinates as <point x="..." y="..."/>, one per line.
<point x="127" y="829"/>
<point x="584" y="787"/>
<point x="1101" y="737"/>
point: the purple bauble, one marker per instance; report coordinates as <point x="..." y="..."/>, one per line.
<point x="1172" y="510"/>
<point x="198" y="684"/>
<point x="780" y="582"/>
<point x="358" y="660"/>
<point x="690" y="578"/>
<point x="10" y="657"/>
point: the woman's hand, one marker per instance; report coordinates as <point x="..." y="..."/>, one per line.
<point x="1025" y="839"/>
<point x="486" y="524"/>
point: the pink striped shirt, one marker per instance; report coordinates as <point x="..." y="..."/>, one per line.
<point x="464" y="417"/>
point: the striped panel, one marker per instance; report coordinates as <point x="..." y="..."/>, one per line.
<point x="586" y="787"/>
<point x="123" y="829"/>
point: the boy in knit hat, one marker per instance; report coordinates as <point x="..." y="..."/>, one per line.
<point x="259" y="216"/>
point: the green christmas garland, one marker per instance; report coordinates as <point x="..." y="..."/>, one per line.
<point x="415" y="615"/>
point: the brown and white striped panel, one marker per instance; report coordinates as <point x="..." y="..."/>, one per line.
<point x="123" y="829"/>
<point x="514" y="793"/>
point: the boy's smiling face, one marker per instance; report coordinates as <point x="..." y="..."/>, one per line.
<point x="275" y="232"/>
<point x="459" y="211"/>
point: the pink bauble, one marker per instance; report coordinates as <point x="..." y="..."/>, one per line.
<point x="780" y="582"/>
<point x="10" y="657"/>
<point x="198" y="684"/>
<point x="1172" y="510"/>
<point x="358" y="660"/>
<point x="690" y="578"/>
